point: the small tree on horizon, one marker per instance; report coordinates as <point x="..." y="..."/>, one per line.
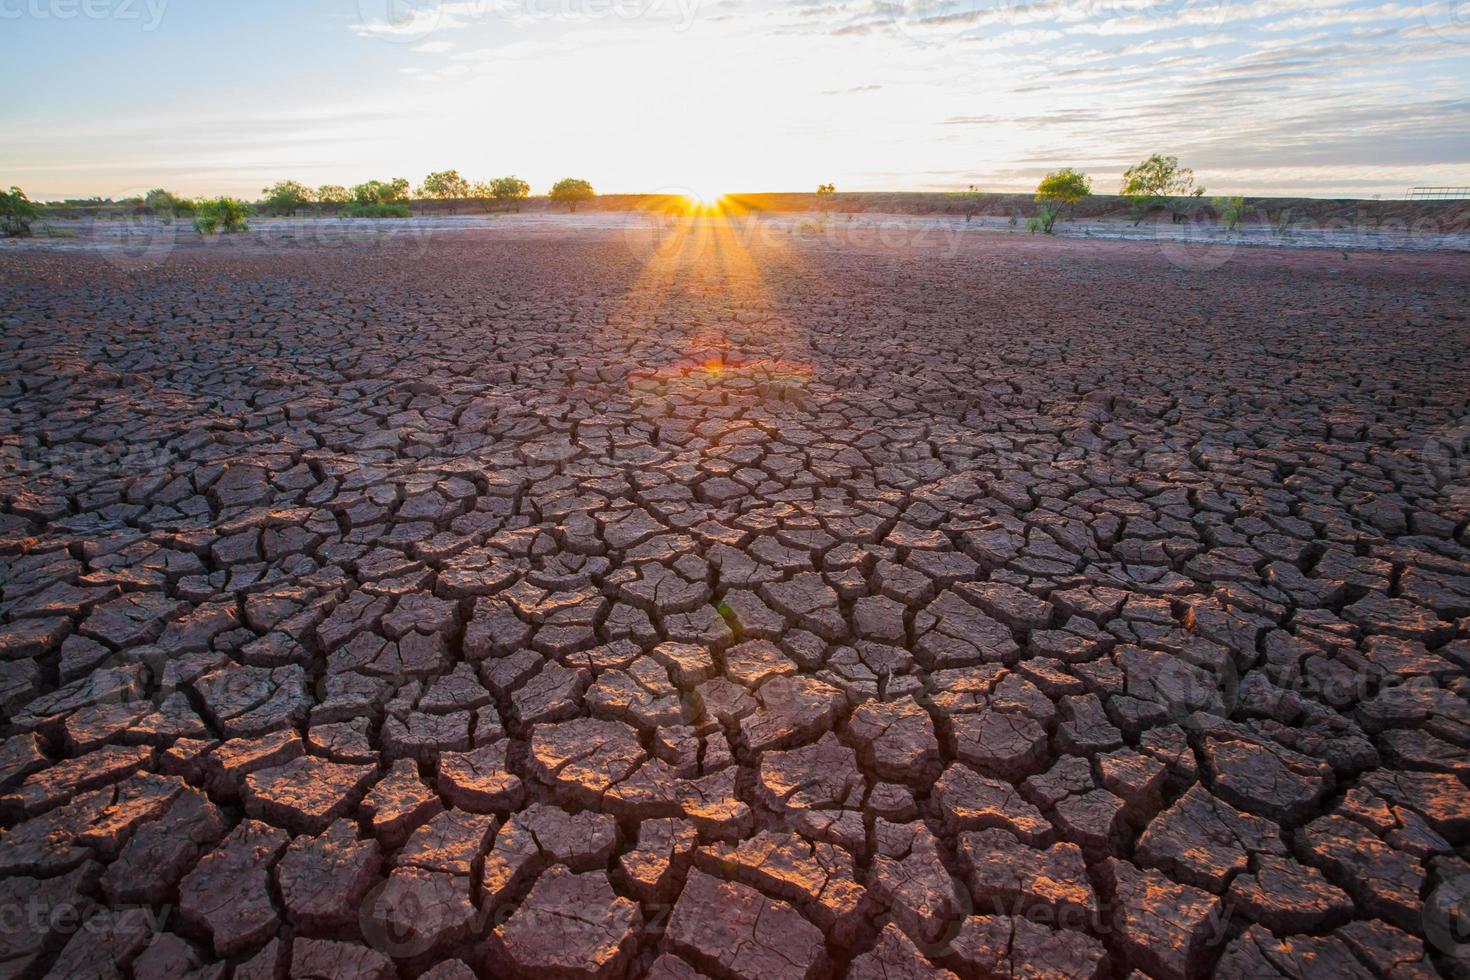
<point x="572" y="191"/>
<point x="16" y="213"/>
<point x="333" y="194"/>
<point x="512" y="188"/>
<point x="970" y="200"/>
<point x="225" y="214"/>
<point x="824" y="189"/>
<point x="286" y="197"/>
<point x="381" y="191"/>
<point x="1061" y="187"/>
<point x="1231" y="211"/>
<point x="1159" y="181"/>
<point x="445" y="185"/>
<point x="159" y="201"/>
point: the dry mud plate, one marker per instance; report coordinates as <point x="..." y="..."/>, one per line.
<point x="544" y="606"/>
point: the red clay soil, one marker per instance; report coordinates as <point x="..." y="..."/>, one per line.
<point x="548" y="607"/>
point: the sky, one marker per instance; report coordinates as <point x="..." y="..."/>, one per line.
<point x="1350" y="98"/>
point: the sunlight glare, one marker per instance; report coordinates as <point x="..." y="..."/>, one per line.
<point x="703" y="200"/>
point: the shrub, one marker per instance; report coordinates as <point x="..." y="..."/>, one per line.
<point x="1047" y="215"/>
<point x="378" y="211"/>
<point x="159" y="201"/>
<point x="183" y="206"/>
<point x="1058" y="188"/>
<point x="286" y="197"/>
<point x="225" y="214"/>
<point x="16" y="213"/>
<point x="512" y="189"/>
<point x="333" y="194"/>
<point x="381" y="191"/>
<point x="1159" y="181"/>
<point x="825" y="189"/>
<point x="1231" y="210"/>
<point x="571" y="192"/>
<point x="445" y="185"/>
<point x="970" y="201"/>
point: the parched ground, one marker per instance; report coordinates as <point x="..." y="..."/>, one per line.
<point x="546" y="606"/>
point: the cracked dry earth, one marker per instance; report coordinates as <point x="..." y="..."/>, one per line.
<point x="539" y="608"/>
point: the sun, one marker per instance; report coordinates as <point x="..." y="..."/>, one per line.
<point x="703" y="200"/>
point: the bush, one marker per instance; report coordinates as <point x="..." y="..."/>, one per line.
<point x="1047" y="215"/>
<point x="1159" y="181"/>
<point x="445" y="185"/>
<point x="333" y="194"/>
<point x="1231" y="211"/>
<point x="159" y="201"/>
<point x="225" y="214"/>
<point x="511" y="189"/>
<point x="825" y="189"/>
<point x="183" y="206"/>
<point x="381" y="191"/>
<point x="286" y="197"/>
<point x="1058" y="188"/>
<point x="378" y="211"/>
<point x="970" y="201"/>
<point x="571" y="192"/>
<point x="16" y="213"/>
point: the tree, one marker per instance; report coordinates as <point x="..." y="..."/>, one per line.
<point x="512" y="188"/>
<point x="1058" y="188"/>
<point x="159" y="201"/>
<point x="571" y="192"/>
<point x="970" y="201"/>
<point x="1159" y="181"/>
<point x="826" y="189"/>
<point x="226" y="214"/>
<point x="166" y="206"/>
<point x="333" y="194"/>
<point x="286" y="197"/>
<point x="16" y="213"/>
<point x="445" y="185"/>
<point x="1231" y="210"/>
<point x="381" y="192"/>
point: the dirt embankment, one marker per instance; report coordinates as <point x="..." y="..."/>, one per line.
<point x="1444" y="216"/>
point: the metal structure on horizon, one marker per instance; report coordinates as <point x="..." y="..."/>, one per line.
<point x="1438" y="194"/>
